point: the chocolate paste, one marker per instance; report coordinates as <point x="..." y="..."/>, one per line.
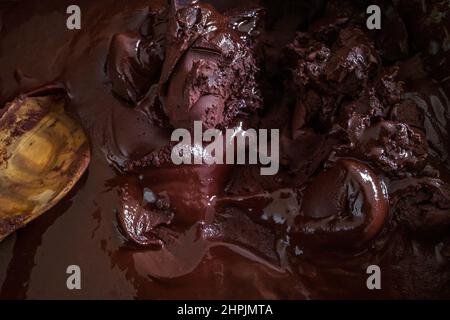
<point x="364" y="149"/>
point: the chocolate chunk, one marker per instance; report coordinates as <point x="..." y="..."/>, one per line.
<point x="209" y="73"/>
<point x="423" y="206"/>
<point x="394" y="147"/>
<point x="346" y="205"/>
<point x="408" y="112"/>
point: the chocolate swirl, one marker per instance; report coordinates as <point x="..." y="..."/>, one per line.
<point x="346" y="205"/>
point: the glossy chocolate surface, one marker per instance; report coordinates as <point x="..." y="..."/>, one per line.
<point x="364" y="145"/>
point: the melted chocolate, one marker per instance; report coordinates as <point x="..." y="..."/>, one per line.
<point x="364" y="122"/>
